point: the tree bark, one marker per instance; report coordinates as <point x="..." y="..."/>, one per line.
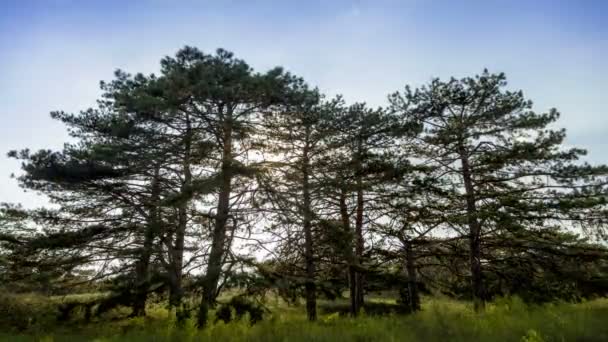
<point x="310" y="287"/>
<point x="359" y="243"/>
<point x="177" y="259"/>
<point x="412" y="279"/>
<point x="352" y="274"/>
<point x="142" y="269"/>
<point x="474" y="233"/>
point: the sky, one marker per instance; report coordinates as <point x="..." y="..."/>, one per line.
<point x="53" y="53"/>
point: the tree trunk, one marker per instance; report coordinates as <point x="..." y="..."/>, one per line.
<point x="177" y="259"/>
<point x="359" y="244"/>
<point x="310" y="287"/>
<point x="216" y="255"/>
<point x="142" y="269"/>
<point x="474" y="233"/>
<point x="177" y="256"/>
<point x="352" y="274"/>
<point x="412" y="281"/>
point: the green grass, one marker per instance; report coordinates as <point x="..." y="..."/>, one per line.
<point x="440" y="320"/>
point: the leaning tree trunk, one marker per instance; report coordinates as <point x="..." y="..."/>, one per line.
<point x="142" y="268"/>
<point x="474" y="233"/>
<point x="216" y="255"/>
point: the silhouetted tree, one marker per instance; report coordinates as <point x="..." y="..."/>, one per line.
<point x="511" y="171"/>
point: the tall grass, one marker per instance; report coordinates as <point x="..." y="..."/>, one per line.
<point x="440" y="320"/>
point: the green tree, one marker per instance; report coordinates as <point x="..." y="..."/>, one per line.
<point x="105" y="192"/>
<point x="363" y="143"/>
<point x="295" y="143"/>
<point x="229" y="97"/>
<point x="511" y="171"/>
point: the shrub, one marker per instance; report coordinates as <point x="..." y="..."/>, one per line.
<point x="241" y="306"/>
<point x="26" y="312"/>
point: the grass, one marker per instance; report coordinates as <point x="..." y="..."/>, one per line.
<point x="440" y="320"/>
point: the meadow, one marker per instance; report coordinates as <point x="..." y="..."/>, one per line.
<point x="440" y="319"/>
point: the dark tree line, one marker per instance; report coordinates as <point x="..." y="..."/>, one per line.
<point x="458" y="186"/>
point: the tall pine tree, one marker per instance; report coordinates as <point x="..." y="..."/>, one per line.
<point x="511" y="170"/>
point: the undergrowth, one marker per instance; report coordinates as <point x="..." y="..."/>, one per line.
<point x="440" y="320"/>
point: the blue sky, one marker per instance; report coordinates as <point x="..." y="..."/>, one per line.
<point x="53" y="53"/>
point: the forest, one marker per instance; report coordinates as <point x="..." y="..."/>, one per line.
<point x="214" y="201"/>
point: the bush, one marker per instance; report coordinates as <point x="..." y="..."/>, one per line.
<point x="241" y="306"/>
<point x="26" y="312"/>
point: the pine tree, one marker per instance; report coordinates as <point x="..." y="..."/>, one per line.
<point x="411" y="210"/>
<point x="102" y="187"/>
<point x="229" y="97"/>
<point x="510" y="169"/>
<point x="363" y="141"/>
<point x="186" y="148"/>
<point x="291" y="190"/>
